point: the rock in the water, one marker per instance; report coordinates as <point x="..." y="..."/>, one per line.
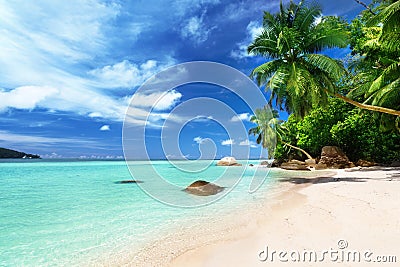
<point x="203" y="188"/>
<point x="365" y="163"/>
<point x="269" y="163"/>
<point x="295" y="165"/>
<point x="334" y="157"/>
<point x="228" y="161"/>
<point x="128" y="182"/>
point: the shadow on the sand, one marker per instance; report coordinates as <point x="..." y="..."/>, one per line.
<point x="321" y="180"/>
<point x="394" y="177"/>
<point x="375" y="168"/>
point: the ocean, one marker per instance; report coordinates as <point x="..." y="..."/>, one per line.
<point x="71" y="213"/>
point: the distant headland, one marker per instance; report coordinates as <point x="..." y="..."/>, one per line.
<point x="13" y="154"/>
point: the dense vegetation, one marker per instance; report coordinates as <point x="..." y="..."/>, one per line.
<point x="12" y="154"/>
<point x="353" y="103"/>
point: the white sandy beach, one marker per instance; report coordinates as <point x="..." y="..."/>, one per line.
<point x="360" y="211"/>
<point x="356" y="212"/>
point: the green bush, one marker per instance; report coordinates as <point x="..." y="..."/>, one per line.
<point x="356" y="132"/>
<point x="360" y="138"/>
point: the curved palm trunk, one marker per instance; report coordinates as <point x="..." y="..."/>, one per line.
<point x="366" y="106"/>
<point x="298" y="148"/>
<point x="366" y="6"/>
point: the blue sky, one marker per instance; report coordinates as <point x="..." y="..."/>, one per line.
<point x="69" y="68"/>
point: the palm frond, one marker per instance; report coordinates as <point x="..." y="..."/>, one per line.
<point x="264" y="71"/>
<point x="326" y="39"/>
<point x="332" y="67"/>
<point x="386" y="15"/>
<point x="305" y="17"/>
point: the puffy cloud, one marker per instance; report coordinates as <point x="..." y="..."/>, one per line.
<point x="105" y="128"/>
<point x="254" y="29"/>
<point x="241" y="117"/>
<point x="25" y="97"/>
<point x="125" y="74"/>
<point x="159" y="100"/>
<point x="95" y="115"/>
<point x="228" y="142"/>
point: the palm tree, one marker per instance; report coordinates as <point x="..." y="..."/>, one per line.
<point x="270" y="130"/>
<point x="299" y="78"/>
<point x="379" y="67"/>
<point x="265" y="130"/>
<point x="389" y="18"/>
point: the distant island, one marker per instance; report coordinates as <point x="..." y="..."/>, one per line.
<point x="13" y="154"/>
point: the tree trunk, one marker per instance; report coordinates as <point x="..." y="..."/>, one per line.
<point x="366" y="6"/>
<point x="298" y="148"/>
<point x="365" y="106"/>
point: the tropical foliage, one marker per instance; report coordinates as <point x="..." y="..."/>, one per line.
<point x="298" y="76"/>
<point x="330" y="100"/>
<point x="357" y="133"/>
<point x="376" y="67"/>
<point x="265" y="129"/>
<point x="270" y="131"/>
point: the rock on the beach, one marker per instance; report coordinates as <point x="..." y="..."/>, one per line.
<point x="365" y="163"/>
<point x="311" y="162"/>
<point x="228" y="161"/>
<point x="295" y="165"/>
<point x="321" y="166"/>
<point x="203" y="188"/>
<point x="395" y="164"/>
<point x="335" y="158"/>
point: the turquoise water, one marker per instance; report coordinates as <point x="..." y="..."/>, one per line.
<point x="71" y="213"/>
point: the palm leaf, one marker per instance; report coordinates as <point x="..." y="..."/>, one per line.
<point x="305" y="17"/>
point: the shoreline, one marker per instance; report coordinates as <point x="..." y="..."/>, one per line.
<point x="184" y="239"/>
<point x="307" y="213"/>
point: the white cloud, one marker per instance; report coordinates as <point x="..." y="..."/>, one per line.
<point x="45" y="47"/>
<point x="228" y="142"/>
<point x="254" y="29"/>
<point x="105" y="128"/>
<point x="95" y="115"/>
<point x="196" y="30"/>
<point x="125" y="74"/>
<point x="248" y="143"/>
<point x="25" y="97"/>
<point x="14" y="138"/>
<point x="159" y="100"/>
<point x="40" y="35"/>
<point x="241" y="117"/>
<point x="198" y="140"/>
